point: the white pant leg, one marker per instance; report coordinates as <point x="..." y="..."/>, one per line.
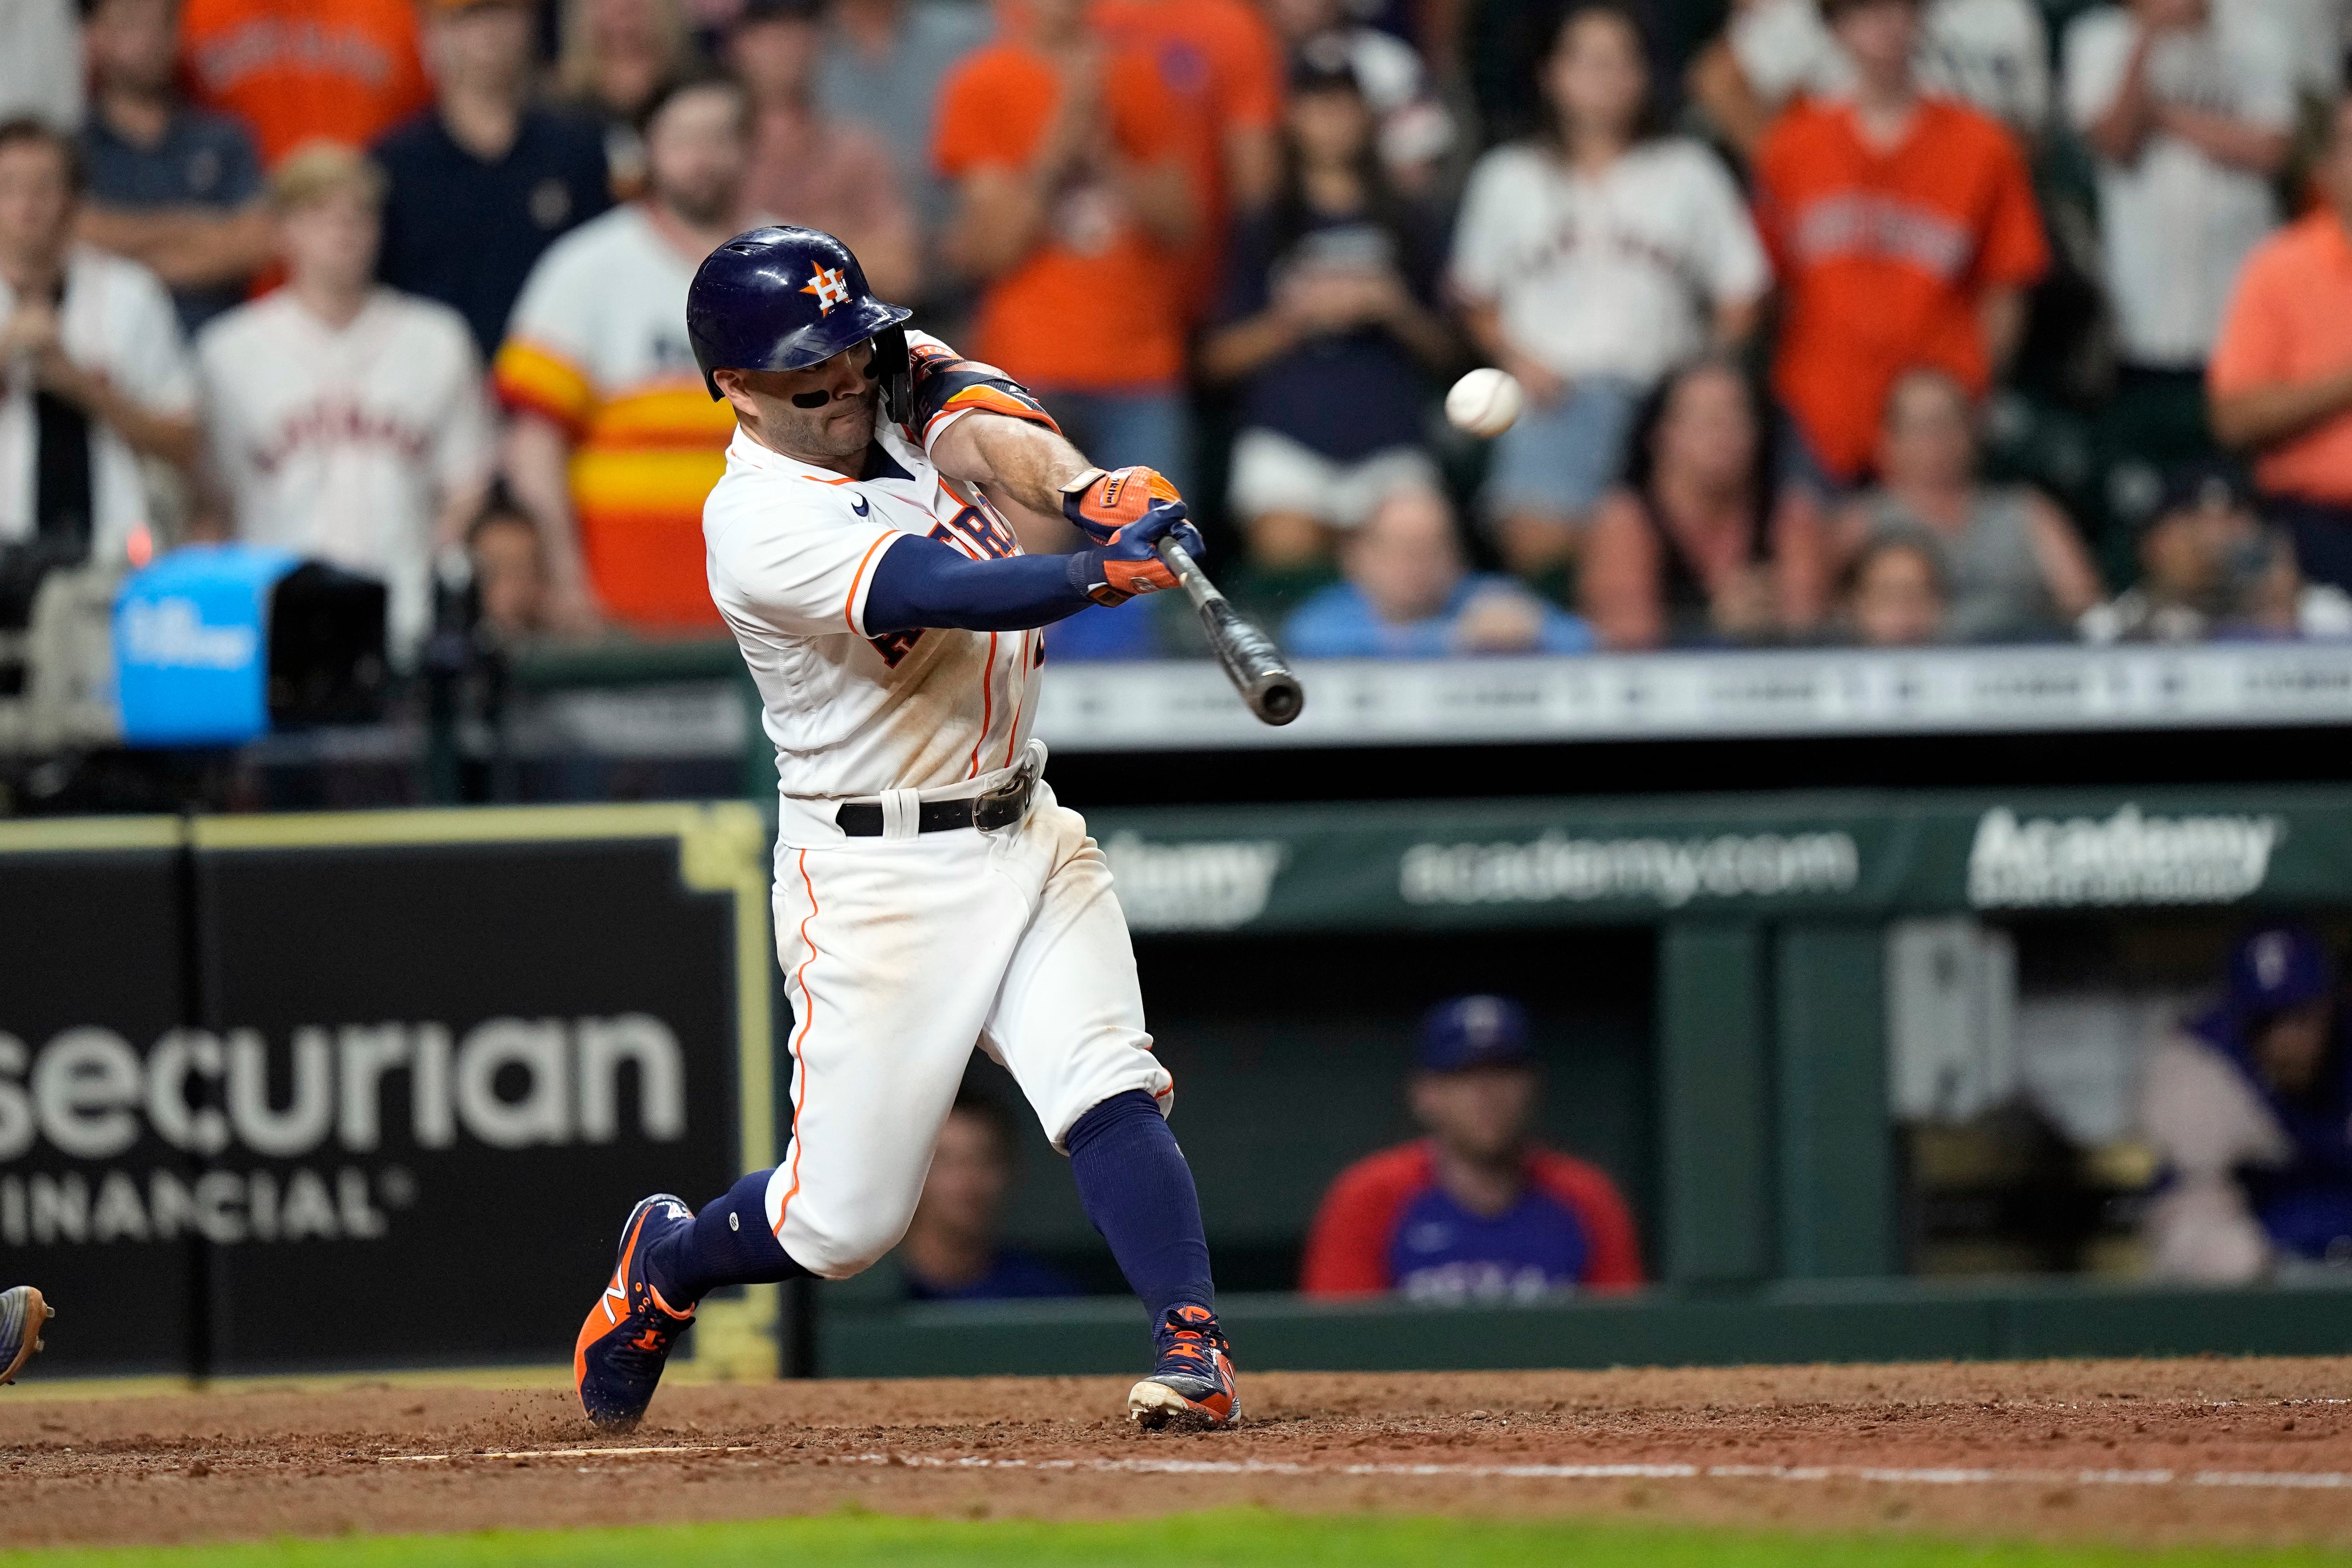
<point x="893" y="951"/>
<point x="1069" y="1019"/>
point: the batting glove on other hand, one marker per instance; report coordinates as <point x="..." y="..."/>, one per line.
<point x="1131" y="564"/>
<point x="1102" y="504"/>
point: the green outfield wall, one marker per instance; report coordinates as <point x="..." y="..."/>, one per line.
<point x="1844" y="1321"/>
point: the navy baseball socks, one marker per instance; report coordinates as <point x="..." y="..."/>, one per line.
<point x="1138" y="1190"/>
<point x="1134" y="1185"/>
<point x="671" y="1258"/>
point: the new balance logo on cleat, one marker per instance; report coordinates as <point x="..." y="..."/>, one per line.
<point x="617" y="1363"/>
<point x="1191" y="1385"/>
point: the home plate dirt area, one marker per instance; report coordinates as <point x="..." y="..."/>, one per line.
<point x="2220" y="1451"/>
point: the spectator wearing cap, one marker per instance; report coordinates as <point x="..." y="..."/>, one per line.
<point x="954" y="1249"/>
<point x="2210" y="569"/>
<point x="94" y="376"/>
<point x="2188" y="106"/>
<point x="1589" y="261"/>
<point x="298" y="71"/>
<point x="2013" y="564"/>
<point x="2248" y="1107"/>
<point x="613" y="442"/>
<point x="346" y="419"/>
<point x="1330" y="324"/>
<point x="1073" y="209"/>
<point x="481" y="183"/>
<point x="1476" y="1211"/>
<point x="174" y="188"/>
<point x="2280" y="381"/>
<point x="885" y="67"/>
<point x="616" y="60"/>
<point x="1416" y="129"/>
<point x="807" y="166"/>
<point x="1904" y="229"/>
<point x="1407" y="595"/>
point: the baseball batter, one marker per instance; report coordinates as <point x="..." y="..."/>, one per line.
<point x="930" y="895"/>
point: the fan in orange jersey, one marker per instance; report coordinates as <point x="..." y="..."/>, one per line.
<point x="615" y="442"/>
<point x="305" y="70"/>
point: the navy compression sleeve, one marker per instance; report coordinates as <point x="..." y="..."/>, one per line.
<point x="922" y="582"/>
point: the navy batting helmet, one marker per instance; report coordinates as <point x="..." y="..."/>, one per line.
<point x="785" y="298"/>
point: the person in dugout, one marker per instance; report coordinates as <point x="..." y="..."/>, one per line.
<point x="2248" y="1109"/>
<point x="1476" y="1211"/>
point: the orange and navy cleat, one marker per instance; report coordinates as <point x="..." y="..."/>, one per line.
<point x="23" y="1315"/>
<point x="617" y="1363"/>
<point x="1192" y="1384"/>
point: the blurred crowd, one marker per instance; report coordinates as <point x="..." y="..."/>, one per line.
<point x="1881" y="322"/>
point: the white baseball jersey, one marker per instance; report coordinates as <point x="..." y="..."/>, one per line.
<point x="344" y="442"/>
<point x="902" y="952"/>
<point x="790" y="554"/>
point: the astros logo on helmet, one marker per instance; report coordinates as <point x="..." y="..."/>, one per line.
<point x="830" y="287"/>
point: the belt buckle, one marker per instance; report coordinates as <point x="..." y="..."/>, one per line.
<point x="1007" y="804"/>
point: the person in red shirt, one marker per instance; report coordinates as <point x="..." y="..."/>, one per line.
<point x="305" y="70"/>
<point x="1073" y="209"/>
<point x="1476" y="1211"/>
<point x="1904" y="232"/>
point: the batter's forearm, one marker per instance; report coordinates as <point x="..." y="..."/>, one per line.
<point x="920" y="583"/>
<point x="1019" y="457"/>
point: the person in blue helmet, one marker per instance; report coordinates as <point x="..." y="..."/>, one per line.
<point x="932" y="896"/>
<point x="2248" y="1107"/>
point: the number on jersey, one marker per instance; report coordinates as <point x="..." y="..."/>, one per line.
<point x="978" y="529"/>
<point x="896" y="645"/>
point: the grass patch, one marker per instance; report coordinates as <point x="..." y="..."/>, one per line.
<point x="1233" y="1538"/>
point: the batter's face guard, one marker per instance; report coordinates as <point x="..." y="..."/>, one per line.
<point x="785" y="298"/>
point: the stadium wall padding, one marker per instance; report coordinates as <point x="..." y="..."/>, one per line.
<point x="1851" y="1322"/>
<point x="371" y="1090"/>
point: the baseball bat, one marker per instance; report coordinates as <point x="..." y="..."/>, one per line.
<point x="1252" y="661"/>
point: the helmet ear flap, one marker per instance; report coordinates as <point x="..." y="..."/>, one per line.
<point x="896" y="372"/>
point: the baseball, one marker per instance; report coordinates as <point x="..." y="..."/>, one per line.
<point x="1484" y="401"/>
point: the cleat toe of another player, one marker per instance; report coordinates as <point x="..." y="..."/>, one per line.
<point x="23" y="1313"/>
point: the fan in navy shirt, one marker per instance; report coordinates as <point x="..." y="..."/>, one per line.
<point x="173" y="188"/>
<point x="1328" y="325"/>
<point x="952" y="1252"/>
<point x="1474" y="1212"/>
<point x="483" y="182"/>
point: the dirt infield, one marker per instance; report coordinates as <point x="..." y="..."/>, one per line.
<point x="2213" y="1451"/>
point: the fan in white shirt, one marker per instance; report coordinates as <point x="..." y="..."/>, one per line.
<point x="347" y="421"/>
<point x="2189" y="109"/>
<point x="1992" y="54"/>
<point x="94" y="376"/>
<point x="1589" y="263"/>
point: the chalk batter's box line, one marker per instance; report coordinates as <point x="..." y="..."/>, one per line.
<point x="2316" y="1481"/>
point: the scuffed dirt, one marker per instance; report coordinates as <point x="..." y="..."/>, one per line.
<point x="275" y="1461"/>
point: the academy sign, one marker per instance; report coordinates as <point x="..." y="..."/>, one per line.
<point x="2125" y="859"/>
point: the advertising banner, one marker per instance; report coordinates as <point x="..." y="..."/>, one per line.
<point x="312" y="1091"/>
<point x="1455" y="865"/>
